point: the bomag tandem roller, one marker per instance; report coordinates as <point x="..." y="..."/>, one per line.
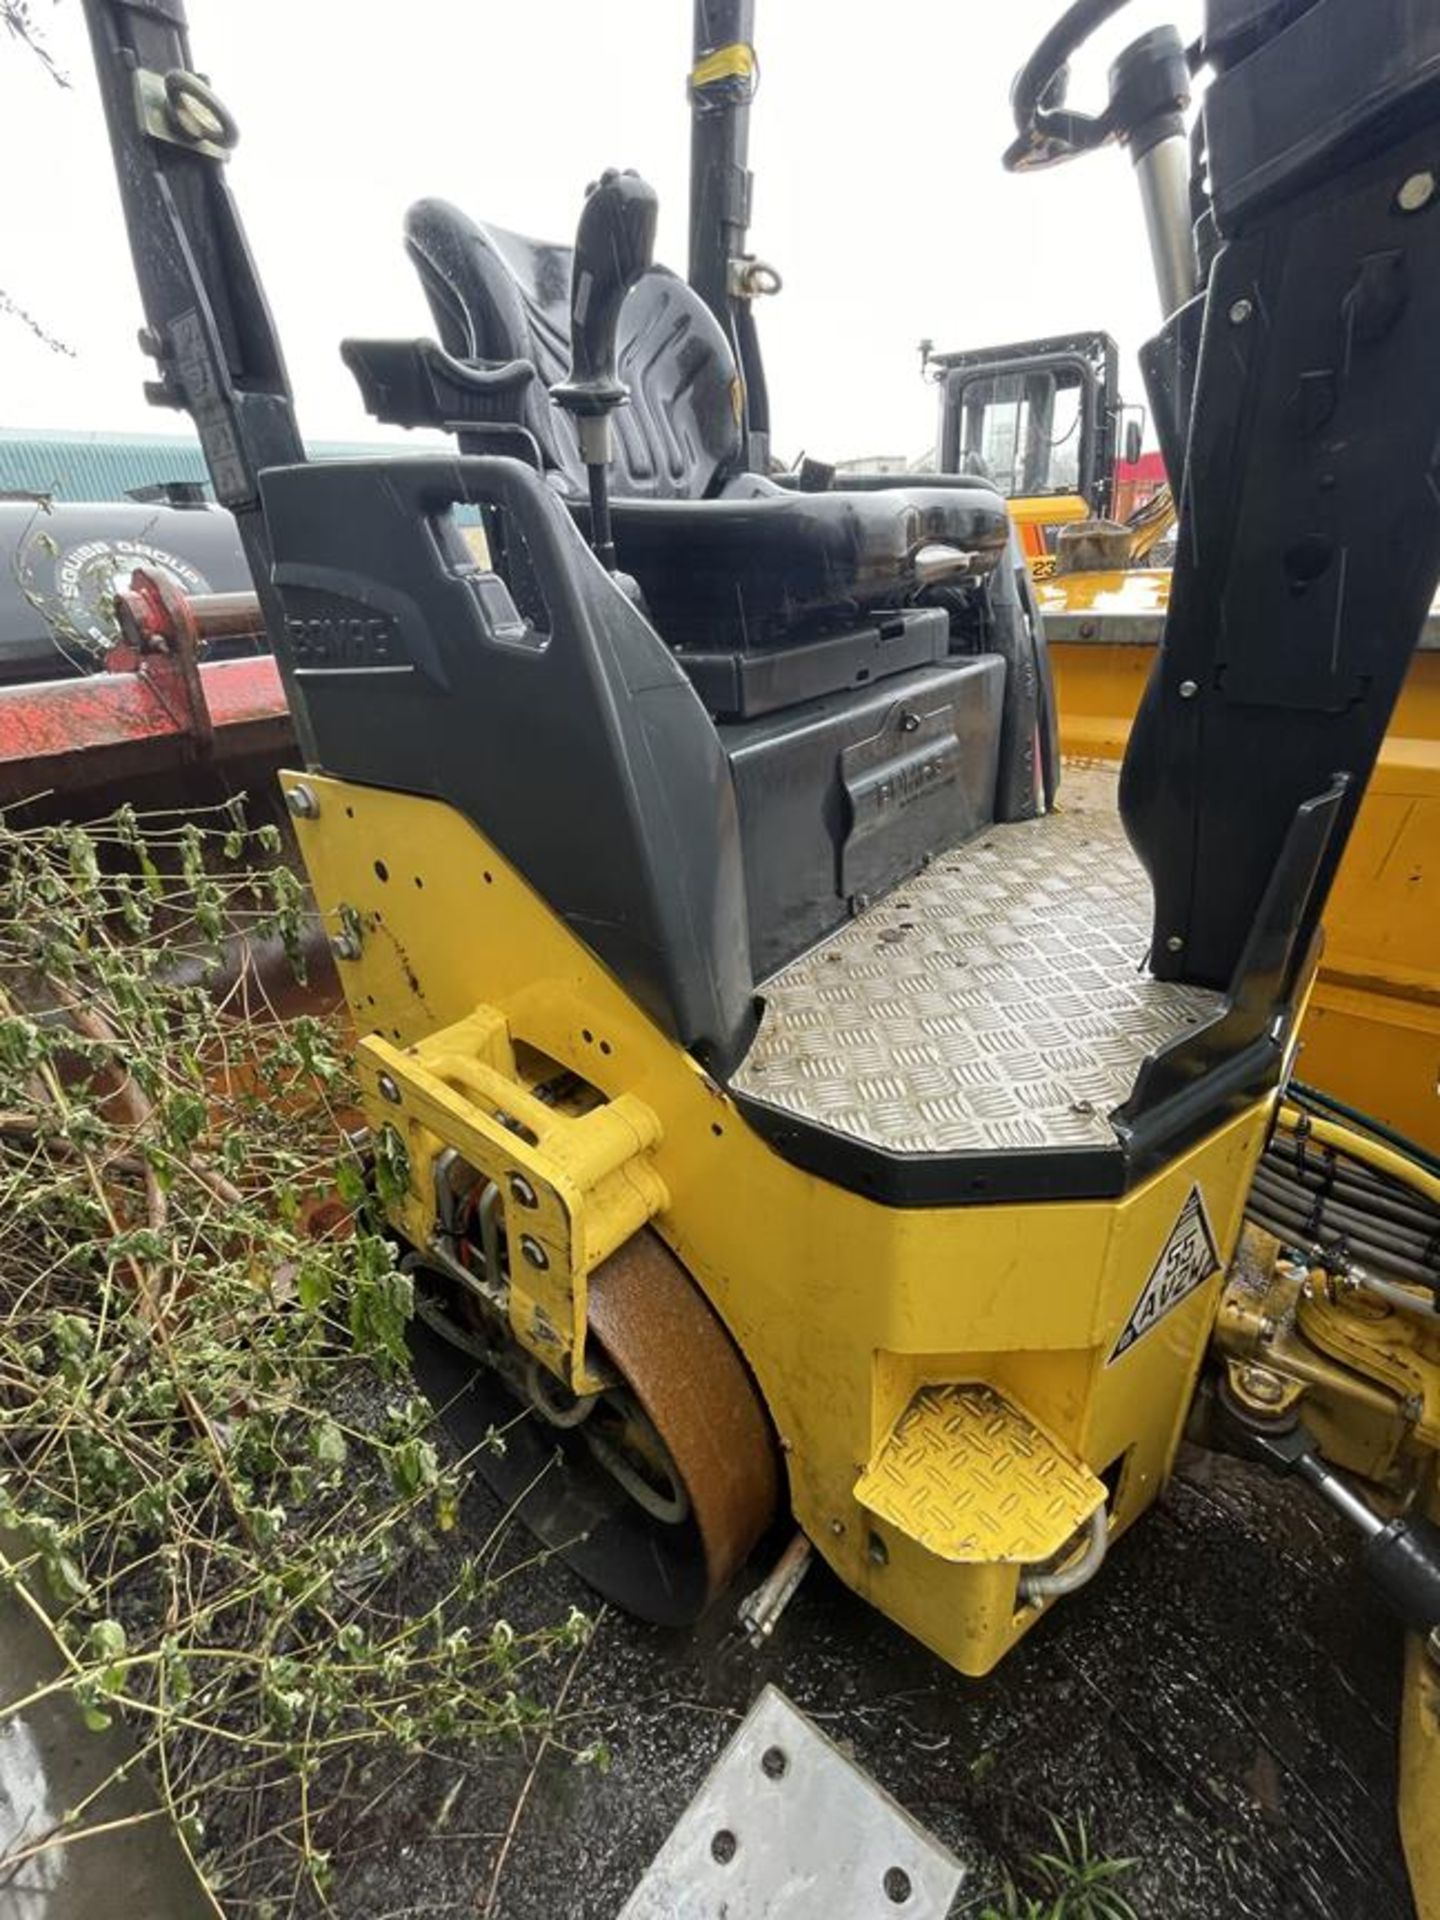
<point x="785" y="1093"/>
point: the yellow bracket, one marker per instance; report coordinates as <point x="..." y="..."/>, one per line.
<point x="1420" y="1777"/>
<point x="1397" y="1349"/>
<point x="574" y="1187"/>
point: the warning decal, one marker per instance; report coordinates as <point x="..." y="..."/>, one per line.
<point x="1187" y="1260"/>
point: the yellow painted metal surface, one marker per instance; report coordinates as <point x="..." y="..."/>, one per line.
<point x="1132" y="590"/>
<point x="971" y="1478"/>
<point x="1036" y="516"/>
<point x="1357" y="1411"/>
<point x="1379" y="1050"/>
<point x="844" y="1309"/>
<point x="1372" y="1033"/>
<point x="574" y="1187"/>
<point x="1420" y="1778"/>
<point x="1420" y="1759"/>
<point x="1397" y="1351"/>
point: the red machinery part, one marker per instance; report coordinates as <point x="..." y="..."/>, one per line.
<point x="157" y="705"/>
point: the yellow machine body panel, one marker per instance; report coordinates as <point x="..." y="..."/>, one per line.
<point x="1372" y="1033"/>
<point x="1420" y="1777"/>
<point x="1036" y="517"/>
<point x="845" y="1310"/>
<point x="1419" y="1794"/>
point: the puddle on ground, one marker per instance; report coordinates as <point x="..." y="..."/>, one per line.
<point x="49" y="1762"/>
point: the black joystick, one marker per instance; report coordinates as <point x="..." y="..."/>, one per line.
<point x="614" y="246"/>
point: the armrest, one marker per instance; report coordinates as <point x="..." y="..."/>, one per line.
<point x="415" y="383"/>
<point x="882" y="482"/>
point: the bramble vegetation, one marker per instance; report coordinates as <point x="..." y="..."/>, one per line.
<point x="216" y="1481"/>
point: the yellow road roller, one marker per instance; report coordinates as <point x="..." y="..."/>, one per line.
<point x="782" y="1085"/>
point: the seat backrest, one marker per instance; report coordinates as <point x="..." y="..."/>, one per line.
<point x="417" y="673"/>
<point x="497" y="296"/>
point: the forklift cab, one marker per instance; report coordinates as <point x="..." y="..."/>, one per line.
<point x="1043" y="421"/>
<point x="1037" y="417"/>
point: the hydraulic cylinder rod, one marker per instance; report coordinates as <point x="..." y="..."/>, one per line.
<point x="1162" y="173"/>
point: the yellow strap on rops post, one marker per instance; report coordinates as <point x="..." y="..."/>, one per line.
<point x="735" y="62"/>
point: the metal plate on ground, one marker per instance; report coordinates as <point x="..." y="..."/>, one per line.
<point x="998" y="1000"/>
<point x="786" y="1828"/>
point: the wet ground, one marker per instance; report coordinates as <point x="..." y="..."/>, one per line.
<point x="49" y="1764"/>
<point x="1221" y="1706"/>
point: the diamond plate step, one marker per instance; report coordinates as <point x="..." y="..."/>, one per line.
<point x="974" y="1480"/>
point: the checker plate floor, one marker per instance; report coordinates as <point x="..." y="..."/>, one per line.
<point x="998" y="1000"/>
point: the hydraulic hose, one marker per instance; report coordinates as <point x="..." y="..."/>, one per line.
<point x="1409" y="1171"/>
<point x="1351" y="1188"/>
<point x="1295" y="1228"/>
<point x="1401" y="1297"/>
<point x="1368" y="1195"/>
<point x="1325" y="1163"/>
<point x="1050" y="1586"/>
<point x="1307" y="1096"/>
<point x="1413" y="1245"/>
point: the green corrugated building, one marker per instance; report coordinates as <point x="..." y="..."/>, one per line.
<point x="71" y="465"/>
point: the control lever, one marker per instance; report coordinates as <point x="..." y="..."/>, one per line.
<point x="614" y="246"/>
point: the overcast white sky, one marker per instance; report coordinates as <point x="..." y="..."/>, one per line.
<point x="876" y="142"/>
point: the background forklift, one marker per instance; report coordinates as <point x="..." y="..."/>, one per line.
<point x="1043" y="420"/>
<point x="789" y="1105"/>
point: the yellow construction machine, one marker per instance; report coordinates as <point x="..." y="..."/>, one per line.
<point x="782" y="1087"/>
<point x="1044" y="423"/>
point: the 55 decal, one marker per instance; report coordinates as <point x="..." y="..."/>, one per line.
<point x="1187" y="1260"/>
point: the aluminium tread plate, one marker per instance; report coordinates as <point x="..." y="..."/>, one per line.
<point x="787" y="1827"/>
<point x="999" y="1000"/>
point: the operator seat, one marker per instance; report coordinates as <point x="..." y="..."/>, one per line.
<point x="787" y="707"/>
<point x="498" y="297"/>
<point x="725" y="558"/>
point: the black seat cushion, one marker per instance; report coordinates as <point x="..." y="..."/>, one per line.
<point x="747" y="572"/>
<point x="498" y="297"/>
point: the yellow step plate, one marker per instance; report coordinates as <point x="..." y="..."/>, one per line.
<point x="974" y="1480"/>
